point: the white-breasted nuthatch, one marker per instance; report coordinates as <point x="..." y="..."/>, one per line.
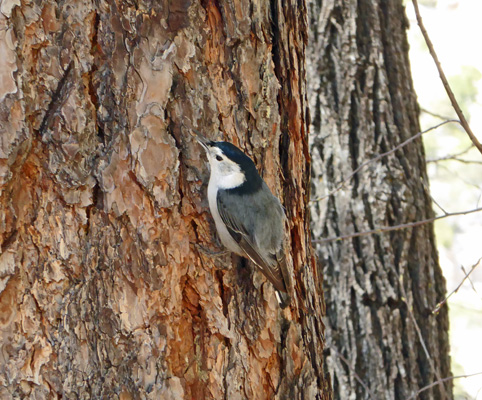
<point x="248" y="217"/>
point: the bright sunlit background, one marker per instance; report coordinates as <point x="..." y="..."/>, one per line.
<point x="455" y="29"/>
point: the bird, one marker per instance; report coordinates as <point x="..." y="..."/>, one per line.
<point x="249" y="219"/>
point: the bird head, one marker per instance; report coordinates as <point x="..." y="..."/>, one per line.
<point x="230" y="167"/>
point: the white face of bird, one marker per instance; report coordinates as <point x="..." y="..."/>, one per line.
<point x="225" y="173"/>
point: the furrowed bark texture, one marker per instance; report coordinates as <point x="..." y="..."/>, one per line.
<point x="363" y="104"/>
<point x="103" y="293"/>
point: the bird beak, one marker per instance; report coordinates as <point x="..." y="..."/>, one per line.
<point x="206" y="143"/>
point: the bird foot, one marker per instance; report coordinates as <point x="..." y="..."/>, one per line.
<point x="209" y="252"/>
<point x="215" y="255"/>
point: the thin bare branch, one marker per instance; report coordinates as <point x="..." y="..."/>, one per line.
<point x="461" y="177"/>
<point x="433" y="199"/>
<point x="471" y="282"/>
<point x="449" y="378"/>
<point x="452" y="156"/>
<point x="395" y="227"/>
<point x="438" y="205"/>
<point x="363" y="165"/>
<point x="445" y="82"/>
<point x="461" y="160"/>
<point x="356" y="376"/>
<point x="434" y="114"/>
<point x="58" y="98"/>
<point x="441" y="304"/>
<point x="407" y="300"/>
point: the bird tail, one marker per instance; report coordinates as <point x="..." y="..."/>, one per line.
<point x="284" y="299"/>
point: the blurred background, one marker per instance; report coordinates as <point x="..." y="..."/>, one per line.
<point x="455" y="167"/>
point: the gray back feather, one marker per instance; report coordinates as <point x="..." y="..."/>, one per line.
<point x="260" y="216"/>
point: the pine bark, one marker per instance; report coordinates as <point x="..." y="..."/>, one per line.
<point x="103" y="291"/>
<point x="363" y="104"/>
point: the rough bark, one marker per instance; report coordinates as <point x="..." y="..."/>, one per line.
<point x="363" y="104"/>
<point x="103" y="293"/>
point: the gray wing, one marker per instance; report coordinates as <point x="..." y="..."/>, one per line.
<point x="250" y="223"/>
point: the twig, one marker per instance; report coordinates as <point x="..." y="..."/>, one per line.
<point x="461" y="160"/>
<point x="477" y="394"/>
<point x="353" y="371"/>
<point x="363" y="165"/>
<point x="434" y="114"/>
<point x="58" y="98"/>
<point x="449" y="378"/>
<point x="470" y="280"/>
<point x="445" y="82"/>
<point x="460" y="177"/>
<point x="451" y="156"/>
<point x="419" y="333"/>
<point x="433" y="199"/>
<point x="440" y="305"/>
<point x="394" y="228"/>
<point x="438" y="205"/>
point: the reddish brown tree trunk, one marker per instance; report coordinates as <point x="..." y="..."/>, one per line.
<point x="103" y="293"/>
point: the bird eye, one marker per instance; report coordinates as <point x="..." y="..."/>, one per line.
<point x="219" y="158"/>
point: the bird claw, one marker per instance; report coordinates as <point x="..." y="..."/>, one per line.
<point x="209" y="252"/>
<point x="215" y="255"/>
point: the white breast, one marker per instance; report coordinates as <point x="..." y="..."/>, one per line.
<point x="223" y="233"/>
<point x="230" y="180"/>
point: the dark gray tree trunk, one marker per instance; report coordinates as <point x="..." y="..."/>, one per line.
<point x="376" y="286"/>
<point x="103" y="293"/>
